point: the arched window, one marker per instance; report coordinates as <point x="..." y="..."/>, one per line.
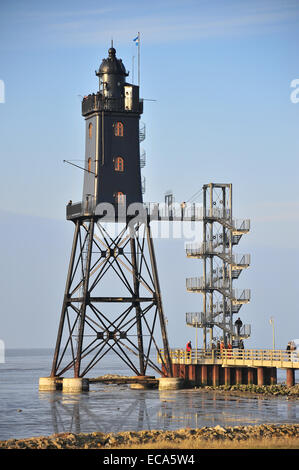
<point x="120" y="198"/>
<point x="90" y="130"/>
<point x="119" y="129"/>
<point x="89" y="164"/>
<point x="119" y="164"/>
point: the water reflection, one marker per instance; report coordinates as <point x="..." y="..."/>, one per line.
<point x="82" y="413"/>
<point x="116" y="409"/>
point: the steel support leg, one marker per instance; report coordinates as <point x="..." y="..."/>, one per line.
<point x="159" y="300"/>
<point x="85" y="300"/>
<point x="137" y="304"/>
<point x="65" y="300"/>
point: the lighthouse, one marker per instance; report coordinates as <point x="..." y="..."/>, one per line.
<point x="112" y="300"/>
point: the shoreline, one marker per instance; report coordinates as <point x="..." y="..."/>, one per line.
<point x="268" y="435"/>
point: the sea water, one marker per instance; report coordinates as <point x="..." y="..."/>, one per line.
<point x="27" y="412"/>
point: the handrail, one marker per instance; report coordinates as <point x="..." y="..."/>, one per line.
<point x="195" y="249"/>
<point x="245" y="355"/>
<point x="161" y="211"/>
<point x="236" y="295"/>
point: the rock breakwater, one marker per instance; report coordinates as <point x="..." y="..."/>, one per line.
<point x="275" y="390"/>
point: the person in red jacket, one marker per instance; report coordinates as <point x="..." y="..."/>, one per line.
<point x="189" y="349"/>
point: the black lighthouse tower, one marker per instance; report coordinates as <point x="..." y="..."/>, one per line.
<point x="112" y="301"/>
<point x="112" y="137"/>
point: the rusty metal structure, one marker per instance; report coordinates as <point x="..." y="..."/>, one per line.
<point x="221" y="267"/>
<point x="112" y="299"/>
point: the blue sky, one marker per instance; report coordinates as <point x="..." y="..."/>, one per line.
<point x="220" y="72"/>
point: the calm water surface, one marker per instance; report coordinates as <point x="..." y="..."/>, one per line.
<point x="26" y="412"/>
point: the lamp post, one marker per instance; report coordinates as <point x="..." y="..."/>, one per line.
<point x="196" y="340"/>
<point x="272" y="323"/>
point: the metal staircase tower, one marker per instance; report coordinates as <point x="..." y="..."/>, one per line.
<point x="221" y="267"/>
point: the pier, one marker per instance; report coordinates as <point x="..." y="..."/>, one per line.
<point x="233" y="366"/>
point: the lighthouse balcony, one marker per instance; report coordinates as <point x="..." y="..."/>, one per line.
<point x="79" y="209"/>
<point x="97" y="102"/>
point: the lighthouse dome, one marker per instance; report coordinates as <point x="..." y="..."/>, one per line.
<point x="112" y="65"/>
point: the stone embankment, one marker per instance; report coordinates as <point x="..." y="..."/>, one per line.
<point x="274" y="390"/>
<point x="137" y="439"/>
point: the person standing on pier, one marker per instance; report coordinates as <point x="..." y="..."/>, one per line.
<point x="221" y="347"/>
<point x="189" y="349"/>
<point x="183" y="205"/>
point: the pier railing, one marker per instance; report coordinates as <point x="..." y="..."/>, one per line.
<point x="240" y="357"/>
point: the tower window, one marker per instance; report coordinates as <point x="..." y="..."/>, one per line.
<point x="90" y="130"/>
<point x="119" y="164"/>
<point x="89" y="164"/>
<point x="120" y="198"/>
<point x="119" y="129"/>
